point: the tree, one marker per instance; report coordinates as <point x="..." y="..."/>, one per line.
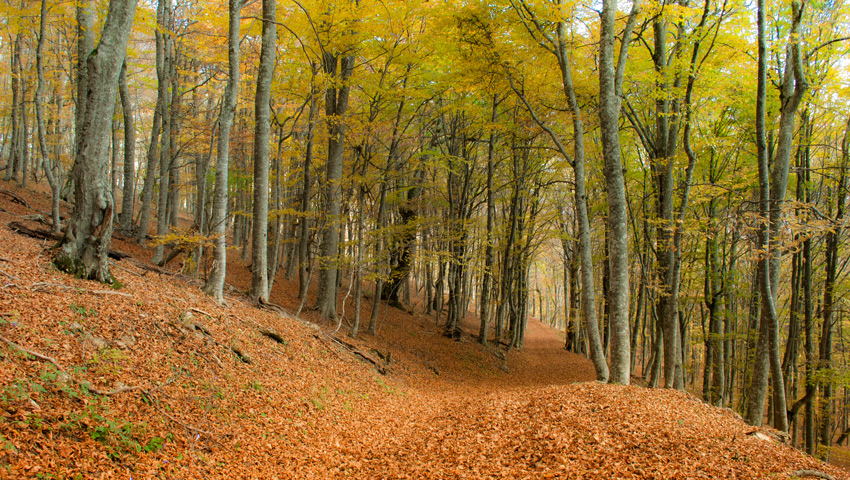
<point x="773" y="183"/>
<point x="215" y="283"/>
<point x="165" y="75"/>
<point x="83" y="249"/>
<point x="610" y="88"/>
<point x="50" y="171"/>
<point x="338" y="67"/>
<point x="129" y="192"/>
<point x="259" y="248"/>
<point x="156" y="128"/>
<point x="557" y="45"/>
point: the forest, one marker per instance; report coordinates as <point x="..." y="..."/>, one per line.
<point x="663" y="181"/>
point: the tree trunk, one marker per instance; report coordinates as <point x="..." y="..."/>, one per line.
<point x="833" y="241"/>
<point x="808" y="316"/>
<point x="379" y="224"/>
<point x="50" y="171"/>
<point x="218" y="223"/>
<point x="85" y="244"/>
<point x="85" y="44"/>
<point x="585" y="253"/>
<point x="336" y="105"/>
<point x="610" y="82"/>
<point x="358" y="275"/>
<point x="174" y="114"/>
<point x="167" y="68"/>
<point x="259" y="250"/>
<point x="487" y="279"/>
<point x="772" y="187"/>
<point x="306" y="183"/>
<point x="274" y="250"/>
<point x="129" y="193"/>
<point x="15" y="153"/>
<point x="115" y="153"/>
<point x="22" y="166"/>
<point x="156" y="129"/>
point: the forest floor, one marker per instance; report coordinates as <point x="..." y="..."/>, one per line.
<point x="155" y="380"/>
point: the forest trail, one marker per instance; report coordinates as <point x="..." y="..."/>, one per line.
<point x="191" y="389"/>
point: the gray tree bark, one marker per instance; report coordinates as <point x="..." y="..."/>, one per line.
<point x="559" y="47"/>
<point x="129" y="191"/>
<point x="215" y="282"/>
<point x="164" y="14"/>
<point x="50" y="171"/>
<point x="85" y="244"/>
<point x="336" y="104"/>
<point x="115" y="153"/>
<point x="588" y="288"/>
<point x="772" y="187"/>
<point x="16" y="152"/>
<point x="610" y="83"/>
<point x="833" y="241"/>
<point x="262" y="126"/>
<point x="85" y="44"/>
<point x="306" y="184"/>
<point x="151" y="160"/>
<point x="486" y="284"/>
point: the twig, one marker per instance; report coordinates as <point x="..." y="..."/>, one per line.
<point x="306" y="291"/>
<point x="33" y="353"/>
<point x="114" y="264"/>
<point x="811" y="473"/>
<point x="109" y="292"/>
<point x="9" y="275"/>
<point x="153" y="401"/>
<point x="126" y="388"/>
<point x="198" y="310"/>
<point x="38" y="286"/>
<point x="347" y="294"/>
<point x="82" y="383"/>
<point x="147" y="267"/>
<point x="162" y="385"/>
<point x="321" y="338"/>
<point x="217" y="359"/>
<point x="271" y="333"/>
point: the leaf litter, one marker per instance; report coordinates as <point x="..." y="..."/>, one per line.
<point x="305" y="406"/>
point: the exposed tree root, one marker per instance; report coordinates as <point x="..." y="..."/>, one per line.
<point x="270" y="333"/>
<point x="40" y="234"/>
<point x="379" y="365"/>
<point x="15" y="197"/>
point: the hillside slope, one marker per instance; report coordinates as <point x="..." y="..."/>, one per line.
<point x="191" y="389"/>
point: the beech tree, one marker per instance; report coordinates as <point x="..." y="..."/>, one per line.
<point x="259" y="247"/>
<point x="83" y="250"/>
<point x="218" y="223"/>
<point x="338" y="66"/>
<point x="610" y="89"/>
<point x="472" y="160"/>
<point x="772" y="187"/>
